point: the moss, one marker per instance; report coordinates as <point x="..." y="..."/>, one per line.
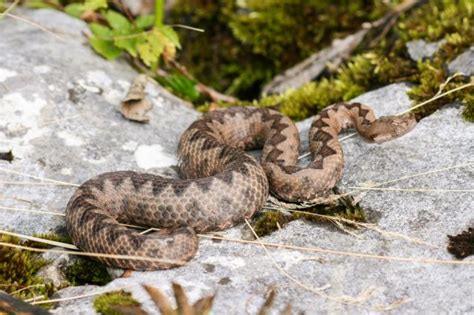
<point x="271" y="220"/>
<point x="18" y="270"/>
<point x="87" y="271"/>
<point x="104" y="303"/>
<point x="48" y="236"/>
<point x="246" y="43"/>
<point x="389" y="62"/>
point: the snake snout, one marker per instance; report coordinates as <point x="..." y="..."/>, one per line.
<point x="390" y="127"/>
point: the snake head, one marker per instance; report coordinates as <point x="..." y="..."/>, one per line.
<point x="390" y="127"/>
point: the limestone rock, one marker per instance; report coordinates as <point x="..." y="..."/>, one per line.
<point x="419" y="49"/>
<point x="464" y="63"/>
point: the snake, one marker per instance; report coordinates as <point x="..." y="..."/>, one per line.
<point x="219" y="183"/>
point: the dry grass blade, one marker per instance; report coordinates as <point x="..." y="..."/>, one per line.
<point x="184" y="308"/>
<point x="412" y="189"/>
<point x="81" y="296"/>
<point x="160" y="300"/>
<point x="363" y="297"/>
<point x="33" y="211"/>
<point x="39" y="240"/>
<point x="434" y="98"/>
<point x="342" y="253"/>
<point x="37" y="177"/>
<point x="88" y="254"/>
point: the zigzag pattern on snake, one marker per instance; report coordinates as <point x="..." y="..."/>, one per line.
<point x="220" y="184"/>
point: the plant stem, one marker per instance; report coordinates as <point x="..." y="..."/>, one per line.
<point x="159" y="9"/>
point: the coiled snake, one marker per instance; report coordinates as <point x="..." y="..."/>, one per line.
<point x="220" y="184"/>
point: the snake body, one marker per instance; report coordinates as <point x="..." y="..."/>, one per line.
<point x="220" y="184"/>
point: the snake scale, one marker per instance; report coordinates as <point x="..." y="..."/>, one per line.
<point x="220" y="184"/>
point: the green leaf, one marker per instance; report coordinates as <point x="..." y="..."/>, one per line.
<point x="74" y="9"/>
<point x="95" y="4"/>
<point x="106" y="48"/>
<point x="169" y="32"/>
<point x="144" y="21"/>
<point x="103" y="32"/>
<point x="151" y="48"/>
<point x="181" y="86"/>
<point x="129" y="44"/>
<point x="118" y="22"/>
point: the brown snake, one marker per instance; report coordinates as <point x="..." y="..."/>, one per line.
<point x="220" y="184"/>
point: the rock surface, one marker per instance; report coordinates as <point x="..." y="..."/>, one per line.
<point x="59" y="114"/>
<point x="419" y="49"/>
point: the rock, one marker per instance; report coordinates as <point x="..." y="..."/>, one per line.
<point x="419" y="49"/>
<point x="54" y="271"/>
<point x="464" y="63"/>
<point x="60" y="116"/>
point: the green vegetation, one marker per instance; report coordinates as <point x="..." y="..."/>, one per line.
<point x="271" y="220"/>
<point x="104" y="304"/>
<point x="389" y="62"/>
<point x="246" y="43"/>
<point x="87" y="271"/>
<point x="18" y="270"/>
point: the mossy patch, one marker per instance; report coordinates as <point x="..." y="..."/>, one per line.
<point x="18" y="270"/>
<point x="272" y="220"/>
<point x="246" y="43"/>
<point x="105" y="303"/>
<point x="87" y="271"/>
<point x="389" y="62"/>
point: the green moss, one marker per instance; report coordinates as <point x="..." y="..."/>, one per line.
<point x="389" y="62"/>
<point x="103" y="303"/>
<point x="48" y="236"/>
<point x="18" y="270"/>
<point x="87" y="271"/>
<point x="271" y="220"/>
<point x="246" y="43"/>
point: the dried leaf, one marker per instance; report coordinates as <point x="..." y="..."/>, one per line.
<point x="265" y="309"/>
<point x="135" y="105"/>
<point x="161" y="301"/>
<point x="182" y="300"/>
<point x="203" y="306"/>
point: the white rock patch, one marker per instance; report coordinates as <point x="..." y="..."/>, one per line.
<point x="41" y="69"/>
<point x="70" y="139"/>
<point x="149" y="156"/>
<point x="5" y="74"/>
<point x="99" y="78"/>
